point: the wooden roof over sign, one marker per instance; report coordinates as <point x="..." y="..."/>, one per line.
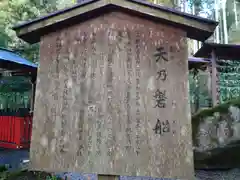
<point x="197" y="63"/>
<point x="196" y="27"/>
<point x="12" y="62"/>
<point x="222" y="51"/>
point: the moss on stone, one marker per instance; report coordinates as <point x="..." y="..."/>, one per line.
<point x="222" y="108"/>
<point x="213" y="111"/>
<point x="25" y="174"/>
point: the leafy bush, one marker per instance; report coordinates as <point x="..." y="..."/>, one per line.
<point x="24" y="174"/>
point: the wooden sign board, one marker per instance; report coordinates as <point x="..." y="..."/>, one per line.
<point x="112" y="98"/>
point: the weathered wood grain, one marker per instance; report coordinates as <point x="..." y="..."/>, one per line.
<point x="95" y="110"/>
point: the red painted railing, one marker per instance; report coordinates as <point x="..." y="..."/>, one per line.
<point x="15" y="132"/>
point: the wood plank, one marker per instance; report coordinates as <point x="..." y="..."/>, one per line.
<point x="108" y="103"/>
<point x="108" y="177"/>
<point x="214" y="79"/>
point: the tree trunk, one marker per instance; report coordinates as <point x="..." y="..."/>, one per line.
<point x="225" y="31"/>
<point x="217" y="38"/>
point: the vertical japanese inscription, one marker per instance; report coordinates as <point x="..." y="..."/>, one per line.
<point x="109" y="97"/>
<point x="162" y="127"/>
<point x="160" y="97"/>
<point x="138" y="120"/>
<point x="160" y="54"/>
<point x="56" y="74"/>
<point x="64" y="97"/>
<point x="162" y="74"/>
<point x="129" y="71"/>
<point x="82" y="91"/>
<point x="100" y="116"/>
<point x="64" y="111"/>
<point x="93" y="109"/>
<point x="55" y="77"/>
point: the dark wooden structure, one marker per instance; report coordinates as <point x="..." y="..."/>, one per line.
<point x="16" y="121"/>
<point x="215" y="51"/>
<point x="13" y="63"/>
<point x="197" y="63"/>
<point x="112" y="89"/>
<point x="222" y="51"/>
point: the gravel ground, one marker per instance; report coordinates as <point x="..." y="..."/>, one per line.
<point x="233" y="174"/>
<point x="14" y="159"/>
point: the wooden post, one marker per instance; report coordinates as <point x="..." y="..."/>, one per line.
<point x="214" y="79"/>
<point x="209" y="85"/>
<point x="33" y="82"/>
<point x="108" y="177"/>
<point x="197" y="104"/>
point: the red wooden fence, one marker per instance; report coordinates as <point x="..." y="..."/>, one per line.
<point x="15" y="132"/>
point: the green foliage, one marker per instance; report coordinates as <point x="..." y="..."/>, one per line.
<point x="233" y="12"/>
<point x="169" y="3"/>
<point x="3" y="168"/>
<point x="4" y="38"/>
<point x="229" y="79"/>
<point x="15" y="92"/>
<point x="13" y="12"/>
<point x="14" y="84"/>
<point x="202" y="7"/>
<point x="24" y="174"/>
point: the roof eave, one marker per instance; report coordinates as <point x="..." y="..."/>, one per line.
<point x="55" y="13"/>
<point x="196" y="28"/>
<point x="223" y="51"/>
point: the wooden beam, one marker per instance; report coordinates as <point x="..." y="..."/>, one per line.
<point x="33" y="82"/>
<point x="108" y="177"/>
<point x="214" y="79"/>
<point x="209" y="85"/>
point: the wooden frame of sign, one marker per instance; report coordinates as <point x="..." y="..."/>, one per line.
<point x="112" y="89"/>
